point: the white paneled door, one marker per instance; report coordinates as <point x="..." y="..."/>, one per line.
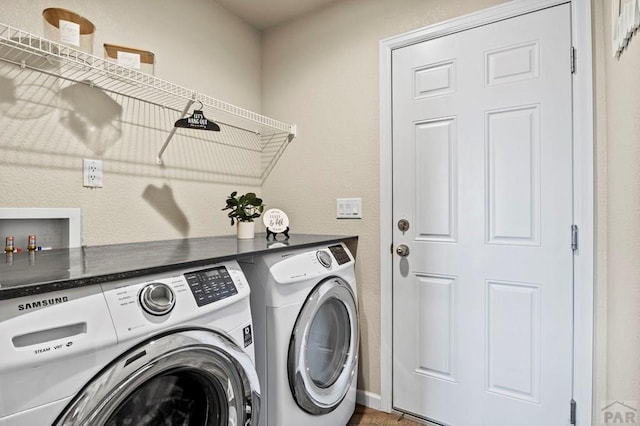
<point x="482" y="175"/>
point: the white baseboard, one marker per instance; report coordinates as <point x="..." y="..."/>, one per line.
<point x="368" y="399"/>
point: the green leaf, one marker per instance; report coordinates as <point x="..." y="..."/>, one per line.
<point x="244" y="208"/>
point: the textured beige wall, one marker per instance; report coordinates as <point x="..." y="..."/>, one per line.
<point x="199" y="45"/>
<point x="601" y="184"/>
<point x="621" y="106"/>
<point x="321" y="72"/>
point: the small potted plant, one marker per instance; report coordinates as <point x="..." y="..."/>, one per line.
<point x="243" y="210"/>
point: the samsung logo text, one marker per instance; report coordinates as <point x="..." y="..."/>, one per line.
<point x="42" y="303"/>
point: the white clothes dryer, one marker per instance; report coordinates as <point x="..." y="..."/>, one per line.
<point x="175" y="348"/>
<point x="304" y="306"/>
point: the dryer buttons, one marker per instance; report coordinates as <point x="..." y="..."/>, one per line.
<point x="340" y="254"/>
<point x="324" y="258"/>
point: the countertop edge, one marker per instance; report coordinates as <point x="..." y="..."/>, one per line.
<point x="68" y="283"/>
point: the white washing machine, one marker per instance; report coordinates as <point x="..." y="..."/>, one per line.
<point x="304" y="307"/>
<point x="170" y="349"/>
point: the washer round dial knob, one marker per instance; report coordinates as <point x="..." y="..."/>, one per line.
<point x="157" y="299"/>
<point x="324" y="258"/>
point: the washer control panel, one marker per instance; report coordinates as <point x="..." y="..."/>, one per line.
<point x="170" y="299"/>
<point x="211" y="285"/>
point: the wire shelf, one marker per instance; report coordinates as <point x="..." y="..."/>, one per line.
<point x="30" y="51"/>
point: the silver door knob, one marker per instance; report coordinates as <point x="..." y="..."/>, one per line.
<point x="403" y="225"/>
<point x="402" y="250"/>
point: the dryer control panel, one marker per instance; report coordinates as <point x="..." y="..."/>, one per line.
<point x="340" y="253"/>
<point x="311" y="264"/>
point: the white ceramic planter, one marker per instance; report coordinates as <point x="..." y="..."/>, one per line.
<point x="246" y="230"/>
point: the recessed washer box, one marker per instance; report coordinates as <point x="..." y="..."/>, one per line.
<point x="53" y="227"/>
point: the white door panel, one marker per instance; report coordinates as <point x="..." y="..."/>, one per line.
<point x="482" y="167"/>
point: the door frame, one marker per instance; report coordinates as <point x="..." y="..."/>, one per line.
<point x="583" y="184"/>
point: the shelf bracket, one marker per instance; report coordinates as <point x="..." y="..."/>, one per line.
<point x="173" y="130"/>
<point x="292" y="132"/>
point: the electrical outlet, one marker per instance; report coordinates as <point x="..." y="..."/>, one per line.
<point x="92" y="173"/>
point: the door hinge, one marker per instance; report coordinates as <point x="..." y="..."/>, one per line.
<point x="573" y="60"/>
<point x="574" y="237"/>
<point x="573" y="412"/>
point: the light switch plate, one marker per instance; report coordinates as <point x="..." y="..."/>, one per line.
<point x="349" y="208"/>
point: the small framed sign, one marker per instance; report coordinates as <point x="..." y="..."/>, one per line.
<point x="276" y="222"/>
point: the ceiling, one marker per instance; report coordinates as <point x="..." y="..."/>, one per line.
<point x="263" y="14"/>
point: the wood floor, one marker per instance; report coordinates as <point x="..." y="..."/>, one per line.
<point x="368" y="416"/>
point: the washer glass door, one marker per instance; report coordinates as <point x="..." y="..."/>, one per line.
<point x="187" y="378"/>
<point x="183" y="396"/>
<point x="323" y="352"/>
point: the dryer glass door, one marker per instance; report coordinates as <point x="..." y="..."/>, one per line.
<point x="328" y="343"/>
<point x="192" y="377"/>
<point x="323" y="352"/>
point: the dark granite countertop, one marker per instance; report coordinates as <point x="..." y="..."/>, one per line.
<point x="24" y="274"/>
